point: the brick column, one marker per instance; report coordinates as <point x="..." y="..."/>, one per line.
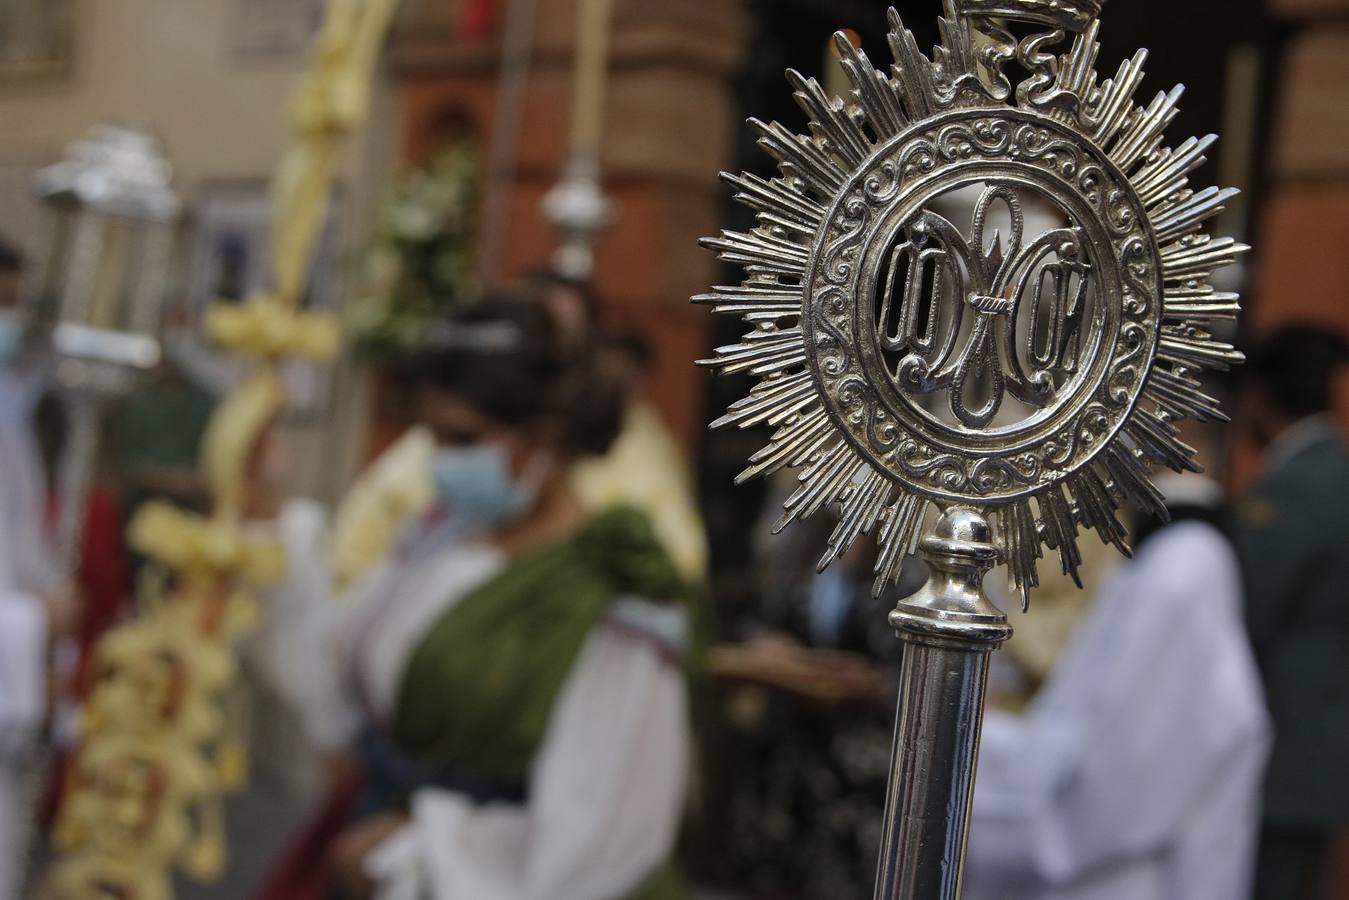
<point x="1304" y="266"/>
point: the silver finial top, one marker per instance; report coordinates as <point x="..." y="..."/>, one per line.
<point x="981" y="281"/>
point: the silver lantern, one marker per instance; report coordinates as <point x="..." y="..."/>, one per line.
<point x="114" y="213"/>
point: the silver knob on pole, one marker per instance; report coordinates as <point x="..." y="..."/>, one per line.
<point x="949" y="628"/>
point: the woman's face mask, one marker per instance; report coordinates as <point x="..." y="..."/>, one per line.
<point x="471" y="469"/>
<point x="475" y="484"/>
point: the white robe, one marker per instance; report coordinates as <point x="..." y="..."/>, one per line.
<point x="1136" y="773"/>
<point x="608" y="784"/>
<point x="24" y="572"/>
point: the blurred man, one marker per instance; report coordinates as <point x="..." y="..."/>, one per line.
<point x="1293" y="538"/>
<point x="158" y="429"/>
<point x="32" y="608"/>
<point x="1135" y="774"/>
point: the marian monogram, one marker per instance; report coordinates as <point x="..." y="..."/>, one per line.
<point x="980" y="319"/>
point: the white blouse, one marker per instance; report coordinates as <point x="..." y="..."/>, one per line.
<point x="607" y="785"/>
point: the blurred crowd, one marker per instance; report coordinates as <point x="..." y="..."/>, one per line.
<point x="1175" y="731"/>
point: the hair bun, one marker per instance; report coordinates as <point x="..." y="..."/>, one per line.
<point x="510" y="360"/>
<point x="592" y="399"/>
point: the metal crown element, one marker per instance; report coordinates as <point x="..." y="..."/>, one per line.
<point x="910" y="358"/>
<point x="1074" y="15"/>
<point x="116" y="170"/>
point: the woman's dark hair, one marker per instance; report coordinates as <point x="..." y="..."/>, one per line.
<point x="505" y="357"/>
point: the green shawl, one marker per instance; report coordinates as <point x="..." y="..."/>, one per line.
<point x="479" y="689"/>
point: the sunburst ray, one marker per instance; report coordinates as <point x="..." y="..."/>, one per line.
<point x="1076" y="75"/>
<point x="1111" y="111"/>
<point x="771" y="402"/>
<point x="1023" y="548"/>
<point x="878" y="100"/>
<point x="863" y="504"/>
<point x="1144" y="137"/>
<point x="915" y="81"/>
<point x="1060" y="531"/>
<point x="1190" y="213"/>
<point x="792" y="445"/>
<point x="838" y="131"/>
<point x="760" y="252"/>
<point x="1129" y="474"/>
<point x="1169" y="174"/>
<point x="776" y="198"/>
<point x="1098" y="508"/>
<point x="753" y="298"/>
<point x="1201" y="304"/>
<point x="1193" y="261"/>
<point x="822" y="482"/>
<point x="760" y="353"/>
<point x="800" y="157"/>
<point x="901" y="524"/>
<point x="1181" y="396"/>
<point x="1190" y="347"/>
<point x="1159" y="439"/>
<point x="955" y="58"/>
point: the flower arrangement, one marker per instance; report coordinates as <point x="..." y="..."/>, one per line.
<point x="418" y="265"/>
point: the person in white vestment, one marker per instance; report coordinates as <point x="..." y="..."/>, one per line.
<point x="593" y="807"/>
<point x="1135" y="774"/>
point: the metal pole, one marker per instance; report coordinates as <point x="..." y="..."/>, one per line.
<point x="513" y="83"/>
<point x="79" y="458"/>
<point x="949" y="628"/>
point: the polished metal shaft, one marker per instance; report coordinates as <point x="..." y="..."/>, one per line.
<point x="949" y="628"/>
<point x="77" y="474"/>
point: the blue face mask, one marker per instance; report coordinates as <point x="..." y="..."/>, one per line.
<point x="11" y="338"/>
<point x="475" y="485"/>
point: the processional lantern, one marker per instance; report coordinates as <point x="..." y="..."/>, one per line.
<point x="114" y="213"/>
<point x="957" y="386"/>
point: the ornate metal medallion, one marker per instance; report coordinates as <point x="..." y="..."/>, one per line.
<point x="965" y="292"/>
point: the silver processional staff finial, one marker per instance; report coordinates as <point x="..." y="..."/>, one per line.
<point x="969" y="379"/>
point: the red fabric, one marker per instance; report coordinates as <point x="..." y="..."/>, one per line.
<point x="105" y="576"/>
<point x="305" y="871"/>
<point x="104" y="579"/>
<point x="478" y="20"/>
<point x="105" y="585"/>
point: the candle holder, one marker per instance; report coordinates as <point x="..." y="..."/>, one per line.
<point x="965" y="389"/>
<point x="577" y="208"/>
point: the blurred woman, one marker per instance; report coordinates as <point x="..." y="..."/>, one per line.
<point x="510" y="679"/>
